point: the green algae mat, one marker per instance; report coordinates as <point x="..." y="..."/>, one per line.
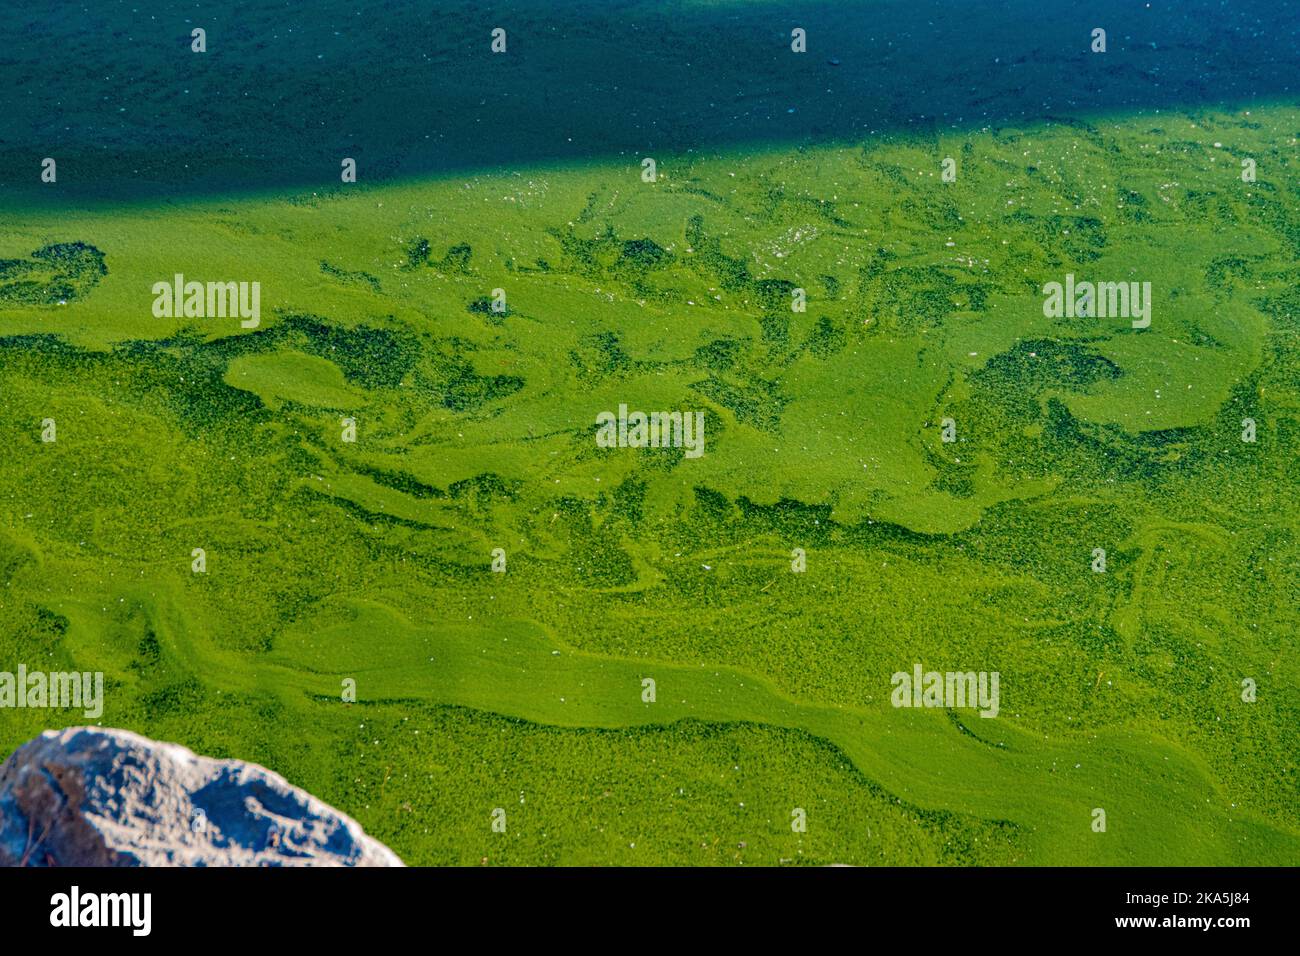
<point x="664" y="444"/>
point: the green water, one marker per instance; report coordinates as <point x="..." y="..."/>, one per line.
<point x="370" y="561"/>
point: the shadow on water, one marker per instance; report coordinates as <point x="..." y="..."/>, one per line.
<point x="112" y="90"/>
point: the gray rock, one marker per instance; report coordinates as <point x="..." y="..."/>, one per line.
<point x="90" y="796"/>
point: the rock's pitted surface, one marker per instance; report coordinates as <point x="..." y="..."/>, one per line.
<point x="90" y="796"/>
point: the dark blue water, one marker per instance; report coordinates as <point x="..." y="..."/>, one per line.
<point x="286" y="89"/>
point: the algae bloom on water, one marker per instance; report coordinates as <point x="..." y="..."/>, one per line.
<point x="707" y="433"/>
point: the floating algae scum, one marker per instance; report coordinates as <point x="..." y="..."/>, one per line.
<point x="369" y="561"/>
